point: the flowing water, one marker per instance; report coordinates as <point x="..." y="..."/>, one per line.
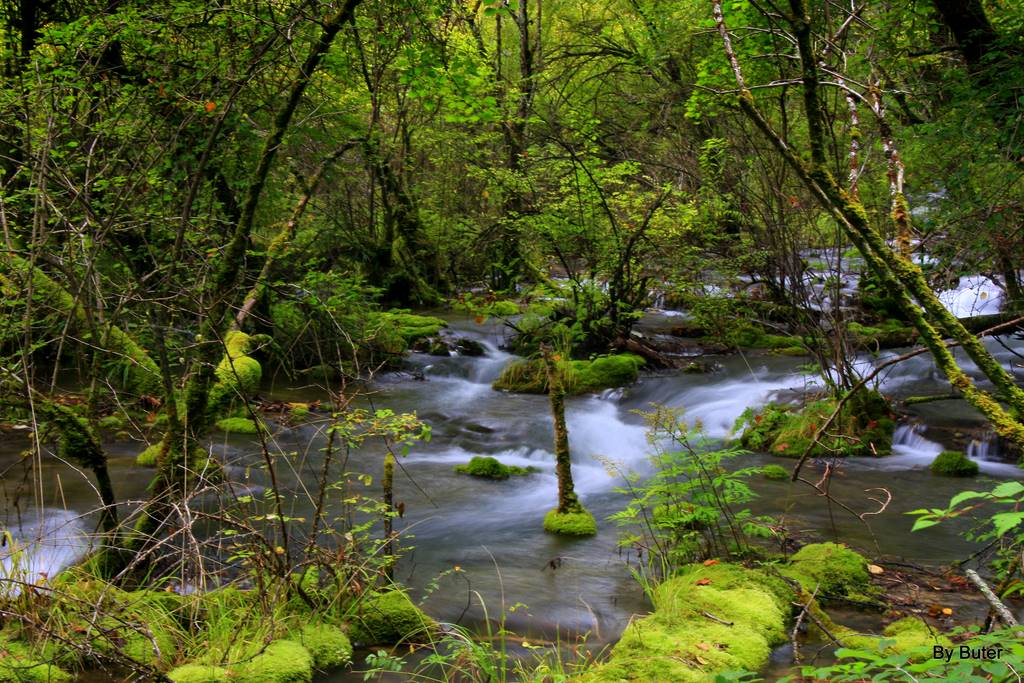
<point x="491" y="530"/>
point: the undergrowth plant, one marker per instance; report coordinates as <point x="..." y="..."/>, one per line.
<point x="694" y="505"/>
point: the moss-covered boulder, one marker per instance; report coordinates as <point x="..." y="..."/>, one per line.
<point x="864" y="426"/>
<point x="578" y="376"/>
<point x="775" y="472"/>
<point x="199" y="673"/>
<point x="284" y="661"/>
<point x="487" y="467"/>
<point x="954" y="464"/>
<point x="707" y="620"/>
<point x="578" y="522"/>
<point x="833" y="569"/>
<point x="326" y="643"/>
<point x="410" y="326"/>
<point x="389" y="617"/>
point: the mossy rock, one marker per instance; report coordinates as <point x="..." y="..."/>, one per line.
<point x="284" y="661"/>
<point x="238" y="374"/>
<point x="469" y="347"/>
<point x="490" y="468"/>
<point x="578" y="376"/>
<point x="576" y="523"/>
<point x="864" y="426"/>
<point x="775" y="472"/>
<point x="389" y="617"/>
<point x="954" y="464"/>
<point x="410" y="326"/>
<point x="835" y="570"/>
<point x="327" y="643"/>
<point x="150" y="455"/>
<point x="681" y="642"/>
<point x="240" y="425"/>
<point x="199" y="673"/>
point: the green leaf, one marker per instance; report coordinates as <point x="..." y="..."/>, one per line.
<point x="1005" y="521"/>
<point x="965" y="495"/>
<point x="1008" y="489"/>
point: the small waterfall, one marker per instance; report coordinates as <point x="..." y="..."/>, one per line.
<point x="979" y="449"/>
<point x="974" y="295"/>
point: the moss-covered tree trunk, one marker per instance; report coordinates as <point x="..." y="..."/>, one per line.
<point x="897" y="274"/>
<point x="567" y="501"/>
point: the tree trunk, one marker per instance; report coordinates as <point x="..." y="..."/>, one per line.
<point x="567" y="501"/>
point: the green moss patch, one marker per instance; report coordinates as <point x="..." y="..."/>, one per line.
<point x="576" y="523"/>
<point x="410" y="326"/>
<point x="20" y="664"/>
<point x="150" y="455"/>
<point x="578" y="376"/>
<point x="954" y="464"/>
<point x="239" y="425"/>
<point x="775" y="472"/>
<point x="389" y="617"/>
<point x="491" y="468"/>
<point x="863" y="427"/>
<point x="707" y="620"/>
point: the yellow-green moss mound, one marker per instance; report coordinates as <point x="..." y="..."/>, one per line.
<point x="835" y="570"/>
<point x="576" y="523"/>
<point x="284" y="661"/>
<point x="327" y="644"/>
<point x="707" y="620"/>
<point x="199" y="673"/>
<point x="908" y="636"/>
<point x="578" y="376"/>
<point x="388" y="618"/>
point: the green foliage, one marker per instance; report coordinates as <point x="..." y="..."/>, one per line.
<point x="909" y="650"/>
<point x="148" y="457"/>
<point x="490" y="468"/>
<point x="776" y="472"/>
<point x="953" y="464"/>
<point x="1003" y="528"/>
<point x="693" y="505"/>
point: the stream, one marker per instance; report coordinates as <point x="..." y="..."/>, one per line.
<point x="491" y="530"/>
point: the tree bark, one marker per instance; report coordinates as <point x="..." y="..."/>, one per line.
<point x="567" y="501"/>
